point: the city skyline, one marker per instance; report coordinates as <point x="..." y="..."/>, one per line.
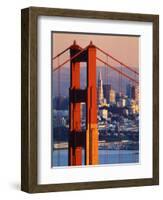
<point x="106" y="94"/>
<point x="65" y="81"/>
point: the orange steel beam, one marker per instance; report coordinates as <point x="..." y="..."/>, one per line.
<point x="70" y="59"/>
<point x="117" y="60"/>
<point x="91" y="152"/>
<point x="75" y="150"/>
<point x="91" y="137"/>
<point x="123" y="74"/>
<point x="75" y="135"/>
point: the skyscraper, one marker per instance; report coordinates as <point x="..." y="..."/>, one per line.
<point x="109" y="93"/>
<point x="137" y="94"/>
<point x="129" y="90"/>
<point x="112" y="96"/>
<point x="106" y="89"/>
<point x="100" y="93"/>
<point x="132" y="92"/>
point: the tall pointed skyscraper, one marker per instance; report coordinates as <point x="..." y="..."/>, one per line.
<point x="100" y="89"/>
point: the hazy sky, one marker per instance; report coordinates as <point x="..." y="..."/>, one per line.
<point x="124" y="48"/>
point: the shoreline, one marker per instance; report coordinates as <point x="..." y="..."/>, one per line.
<point x="103" y="145"/>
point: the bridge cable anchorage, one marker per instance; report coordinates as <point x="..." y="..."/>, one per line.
<point x="70" y="59"/>
<point x="112" y="67"/>
<point x="115" y="59"/>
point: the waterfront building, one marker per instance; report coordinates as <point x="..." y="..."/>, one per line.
<point x="59" y="122"/>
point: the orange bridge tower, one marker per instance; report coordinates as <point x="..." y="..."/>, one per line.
<point x="78" y="138"/>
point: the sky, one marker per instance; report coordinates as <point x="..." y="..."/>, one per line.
<point x="124" y="48"/>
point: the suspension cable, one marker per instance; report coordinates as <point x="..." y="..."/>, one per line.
<point x="127" y="76"/>
<point x="70" y="59"/>
<point x="121" y="63"/>
<point x="62" y="52"/>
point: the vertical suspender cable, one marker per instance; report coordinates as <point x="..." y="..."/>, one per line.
<point x="107" y="135"/>
<point x="59" y="120"/>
